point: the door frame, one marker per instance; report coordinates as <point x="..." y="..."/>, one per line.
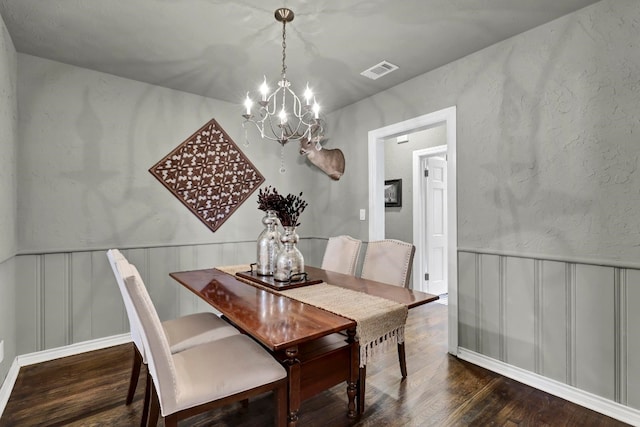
<point x="376" y="196"/>
<point x="418" y="210"/>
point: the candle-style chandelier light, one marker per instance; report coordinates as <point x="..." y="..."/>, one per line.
<point x="281" y="115"/>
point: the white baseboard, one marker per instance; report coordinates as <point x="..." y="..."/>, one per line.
<point x="564" y="391"/>
<point x="72" y="349"/>
<point x="52" y="354"/>
<point x="7" y="385"/>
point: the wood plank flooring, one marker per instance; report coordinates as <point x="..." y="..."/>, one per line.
<point x="90" y="390"/>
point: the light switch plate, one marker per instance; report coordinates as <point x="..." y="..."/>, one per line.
<point x="1" y="351"/>
<point x="363" y="214"/>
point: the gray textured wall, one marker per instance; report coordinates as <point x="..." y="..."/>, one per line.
<point x="89" y="138"/>
<point x="8" y="143"/>
<point x="398" y="163"/>
<point x="547" y="157"/>
<point x="8" y="188"/>
<point x="547" y="136"/>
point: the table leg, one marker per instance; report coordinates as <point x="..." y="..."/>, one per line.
<point x="352" y="384"/>
<point x="293" y="372"/>
<point x="362" y="385"/>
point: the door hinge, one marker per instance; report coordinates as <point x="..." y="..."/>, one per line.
<point x="426" y="276"/>
<point x="426" y="173"/>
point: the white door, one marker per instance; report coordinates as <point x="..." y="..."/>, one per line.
<point x="436" y="221"/>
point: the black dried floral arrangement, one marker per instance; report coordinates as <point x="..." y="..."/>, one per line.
<point x="287" y="209"/>
<point x="269" y="199"/>
<point x="292" y="207"/>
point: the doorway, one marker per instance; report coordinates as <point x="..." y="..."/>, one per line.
<point x="376" y="138"/>
<point x="430" y="220"/>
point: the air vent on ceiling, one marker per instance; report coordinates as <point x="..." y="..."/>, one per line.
<point x="379" y="70"/>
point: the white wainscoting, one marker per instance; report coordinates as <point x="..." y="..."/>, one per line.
<point x="572" y="394"/>
<point x="572" y="322"/>
<point x="72" y="297"/>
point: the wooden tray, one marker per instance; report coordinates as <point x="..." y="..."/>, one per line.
<point x="272" y="283"/>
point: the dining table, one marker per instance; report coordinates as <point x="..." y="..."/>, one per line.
<point x="319" y="348"/>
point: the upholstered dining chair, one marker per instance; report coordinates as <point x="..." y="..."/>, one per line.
<point x="182" y="333"/>
<point x="209" y="375"/>
<point x="390" y="261"/>
<point x="341" y="255"/>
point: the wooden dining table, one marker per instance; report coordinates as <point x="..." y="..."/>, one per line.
<point x="318" y="348"/>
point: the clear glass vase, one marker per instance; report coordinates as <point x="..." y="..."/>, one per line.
<point x="268" y="245"/>
<point x="289" y="261"/>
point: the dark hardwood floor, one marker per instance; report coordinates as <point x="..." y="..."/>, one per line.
<point x="90" y="389"/>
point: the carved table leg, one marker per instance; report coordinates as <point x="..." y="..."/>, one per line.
<point x="362" y="386"/>
<point x="293" y="371"/>
<point x="352" y="385"/>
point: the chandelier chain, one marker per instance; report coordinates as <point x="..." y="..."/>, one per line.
<point x="284" y="47"/>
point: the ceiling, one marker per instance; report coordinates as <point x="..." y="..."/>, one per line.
<point x="221" y="49"/>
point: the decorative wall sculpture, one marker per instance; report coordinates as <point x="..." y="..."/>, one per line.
<point x="329" y="160"/>
<point x="209" y="174"/>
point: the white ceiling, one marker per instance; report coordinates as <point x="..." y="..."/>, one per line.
<point x="221" y="49"/>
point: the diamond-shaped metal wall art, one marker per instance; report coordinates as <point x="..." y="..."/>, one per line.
<point x="209" y="174"/>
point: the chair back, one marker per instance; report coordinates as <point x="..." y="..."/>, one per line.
<point x="341" y="255"/>
<point x="119" y="265"/>
<point x="388" y="261"/>
<point x="160" y="361"/>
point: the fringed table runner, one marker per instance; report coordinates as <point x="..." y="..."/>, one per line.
<point x="379" y="322"/>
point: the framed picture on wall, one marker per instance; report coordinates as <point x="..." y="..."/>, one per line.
<point x="393" y="193"/>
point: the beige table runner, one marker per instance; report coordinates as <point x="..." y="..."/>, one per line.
<point x="380" y="322"/>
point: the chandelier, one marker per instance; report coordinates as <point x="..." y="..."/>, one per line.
<point x="281" y="115"/>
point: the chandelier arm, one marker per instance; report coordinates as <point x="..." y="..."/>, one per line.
<point x="253" y="122"/>
<point x="297" y="104"/>
<point x="272" y="101"/>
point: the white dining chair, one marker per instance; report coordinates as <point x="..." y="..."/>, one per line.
<point x="390" y="261"/>
<point x="341" y="255"/>
<point x="230" y="369"/>
<point x="182" y="333"/>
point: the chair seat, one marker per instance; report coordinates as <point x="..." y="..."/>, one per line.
<point x="195" y="329"/>
<point x="235" y="364"/>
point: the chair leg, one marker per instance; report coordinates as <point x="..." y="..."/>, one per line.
<point x="280" y="395"/>
<point x="147" y="397"/>
<point x="135" y="373"/>
<point x="154" y="409"/>
<point x="403" y="360"/>
<point x="171" y="420"/>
